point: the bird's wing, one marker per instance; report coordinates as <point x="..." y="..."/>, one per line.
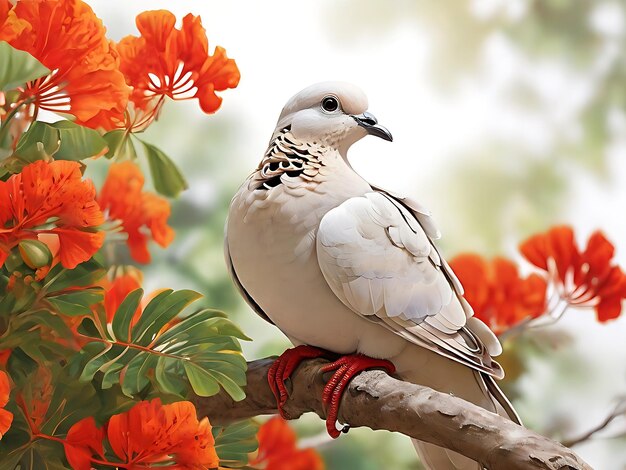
<point x="377" y="255"/>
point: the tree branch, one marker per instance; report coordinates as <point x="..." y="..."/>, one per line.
<point x="618" y="411"/>
<point x="378" y="401"/>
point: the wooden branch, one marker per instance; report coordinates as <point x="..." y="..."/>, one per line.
<point x="378" y="401"/>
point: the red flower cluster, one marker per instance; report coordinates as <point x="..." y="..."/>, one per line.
<point x="497" y="293"/>
<point x="6" y="417"/>
<point x="85" y="79"/>
<point x="51" y="198"/>
<point x="165" y="61"/>
<point x="278" y="451"/>
<point x="123" y="199"/>
<point x="582" y="278"/>
<point x="93" y="78"/>
<point x="148" y="434"/>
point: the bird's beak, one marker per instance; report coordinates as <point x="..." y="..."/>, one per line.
<point x="369" y="122"/>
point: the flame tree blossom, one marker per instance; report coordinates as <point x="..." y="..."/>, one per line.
<point x="51" y="198"/>
<point x="500" y="297"/>
<point x="143" y="215"/>
<point x="149" y="434"/>
<point x="165" y="61"/>
<point x="85" y="79"/>
<point x="278" y="450"/>
<point x="583" y="278"/>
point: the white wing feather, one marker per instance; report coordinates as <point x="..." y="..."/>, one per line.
<point x="380" y="262"/>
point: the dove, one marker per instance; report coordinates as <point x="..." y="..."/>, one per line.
<point x="349" y="271"/>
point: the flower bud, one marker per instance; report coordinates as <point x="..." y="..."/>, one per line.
<point x="35" y="253"/>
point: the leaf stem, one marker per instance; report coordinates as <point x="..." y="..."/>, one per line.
<point x="5" y="124"/>
<point x="135" y="346"/>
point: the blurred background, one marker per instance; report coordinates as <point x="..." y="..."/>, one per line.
<point x="509" y="116"/>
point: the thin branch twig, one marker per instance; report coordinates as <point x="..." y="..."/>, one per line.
<point x="619" y="410"/>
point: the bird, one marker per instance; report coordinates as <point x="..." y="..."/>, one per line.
<point x="351" y="272"/>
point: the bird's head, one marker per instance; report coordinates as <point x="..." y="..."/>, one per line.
<point x="331" y="113"/>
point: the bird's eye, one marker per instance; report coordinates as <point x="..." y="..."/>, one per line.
<point x="330" y="104"/>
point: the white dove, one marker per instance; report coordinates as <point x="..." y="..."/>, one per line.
<point x="344" y="267"/>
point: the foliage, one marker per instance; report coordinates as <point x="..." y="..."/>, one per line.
<point x="86" y="359"/>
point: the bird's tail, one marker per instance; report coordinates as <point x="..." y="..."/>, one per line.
<point x="447" y="376"/>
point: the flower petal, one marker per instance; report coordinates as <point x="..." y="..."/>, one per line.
<point x="609" y="309"/>
<point x="138" y="211"/>
<point x="86" y="80"/>
<point x="51" y="194"/>
<point x="165" y="61"/>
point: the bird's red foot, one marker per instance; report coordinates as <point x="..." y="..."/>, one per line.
<point x="345" y="369"/>
<point x="284" y="366"/>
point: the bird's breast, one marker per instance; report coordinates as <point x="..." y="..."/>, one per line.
<point x="272" y="245"/>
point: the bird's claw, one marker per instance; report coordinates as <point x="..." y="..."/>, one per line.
<point x="345" y="369"/>
<point x="283" y="367"/>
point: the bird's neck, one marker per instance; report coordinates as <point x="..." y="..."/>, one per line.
<point x="290" y="158"/>
<point x="315" y="175"/>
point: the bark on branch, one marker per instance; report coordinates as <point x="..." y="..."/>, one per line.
<point x="378" y="401"/>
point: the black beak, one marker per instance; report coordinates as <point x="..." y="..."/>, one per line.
<point x="369" y="122"/>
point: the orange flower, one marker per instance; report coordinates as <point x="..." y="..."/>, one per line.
<point x="138" y="211"/>
<point x="117" y="290"/>
<point x="5" y="354"/>
<point x="581" y="278"/>
<point x="496" y="292"/>
<point x="82" y="441"/>
<point x="165" y="61"/>
<point x="278" y="451"/>
<point x="152" y="433"/>
<point x="51" y="197"/>
<point x="69" y="39"/>
<point x="6" y="417"/>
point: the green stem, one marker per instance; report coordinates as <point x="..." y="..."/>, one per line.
<point x="4" y="128"/>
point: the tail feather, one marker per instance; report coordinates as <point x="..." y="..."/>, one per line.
<point x="503" y="401"/>
<point x="447" y="376"/>
<point x="437" y="458"/>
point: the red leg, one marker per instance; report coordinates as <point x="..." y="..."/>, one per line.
<point x="345" y="369"/>
<point x="284" y="366"/>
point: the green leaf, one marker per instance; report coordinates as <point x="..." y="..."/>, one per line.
<point x="202" y="381"/>
<point x="235" y="442"/>
<point x="202" y="347"/>
<point x="32" y="323"/>
<point x="72" y="401"/>
<point x="167" y="379"/>
<point x="112" y="376"/>
<point x="18" y="67"/>
<point x="40" y="455"/>
<point x="166" y="176"/>
<point x="137" y="374"/>
<point x="78" y="142"/>
<point x="39" y="142"/>
<point x="85" y="274"/>
<point x="125" y="313"/>
<point x="78" y="302"/>
<point x="161" y="310"/>
<point x="120" y="145"/>
<point x="98" y="351"/>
